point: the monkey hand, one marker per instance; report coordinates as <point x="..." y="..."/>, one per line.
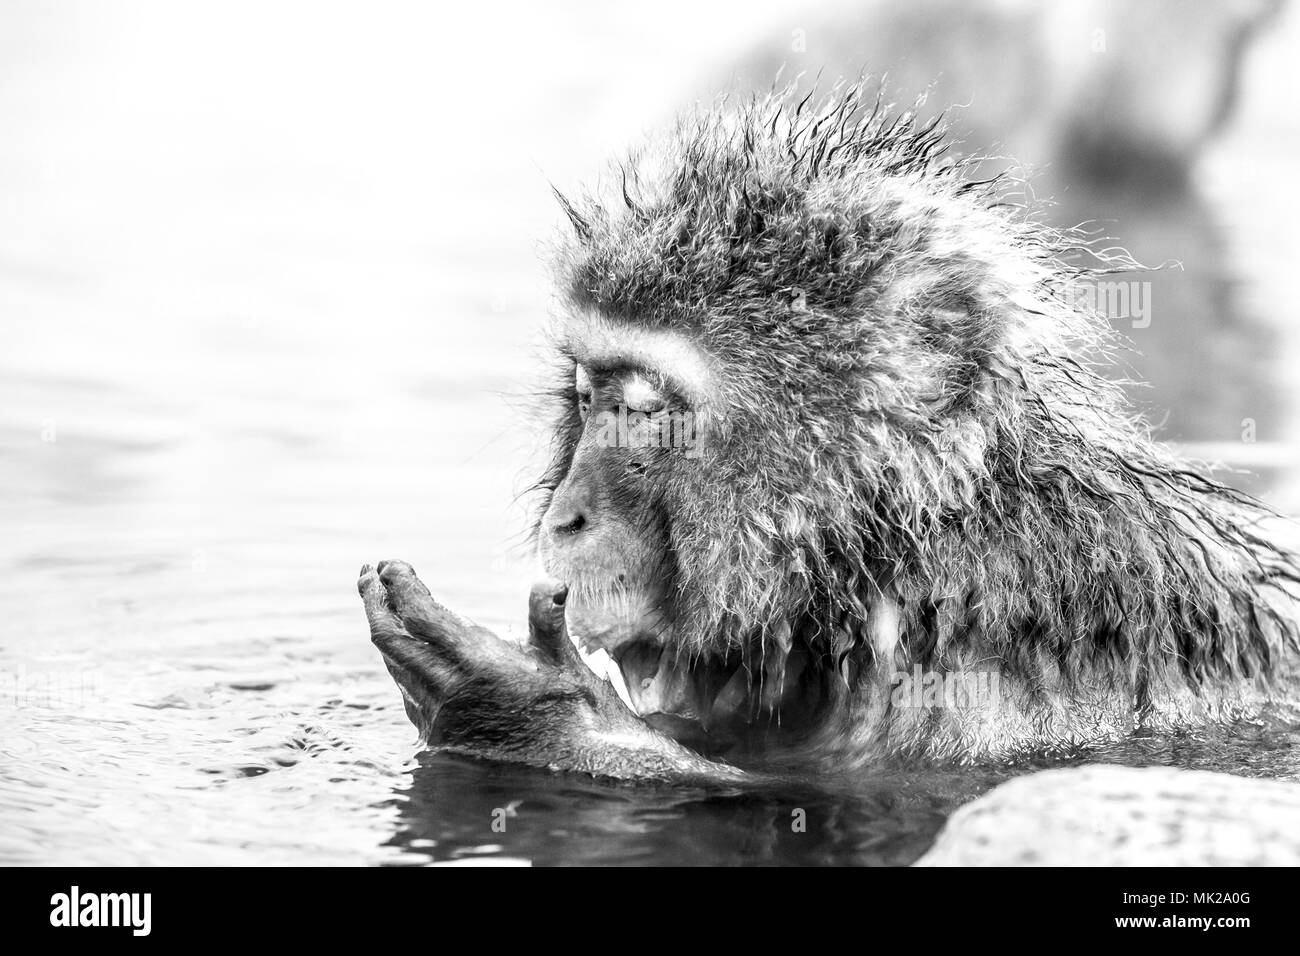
<point x="468" y="691"/>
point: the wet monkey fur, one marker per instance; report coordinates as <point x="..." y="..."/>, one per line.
<point x="826" y="417"/>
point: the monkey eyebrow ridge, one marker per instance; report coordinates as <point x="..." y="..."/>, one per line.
<point x="600" y="343"/>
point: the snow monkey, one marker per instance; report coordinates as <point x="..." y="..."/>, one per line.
<point x="836" y="479"/>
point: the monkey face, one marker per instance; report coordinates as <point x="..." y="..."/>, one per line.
<point x="605" y="531"/>
<point x="633" y="443"/>
<point x="635" y="500"/>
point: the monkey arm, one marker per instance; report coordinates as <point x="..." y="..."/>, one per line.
<point x="468" y="691"/>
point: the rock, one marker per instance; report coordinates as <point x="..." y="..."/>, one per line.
<point x="1107" y="815"/>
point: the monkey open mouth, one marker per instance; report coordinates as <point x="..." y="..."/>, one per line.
<point x="710" y="701"/>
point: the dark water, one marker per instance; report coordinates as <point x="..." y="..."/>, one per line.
<point x="452" y="809"/>
<point x="260" y="327"/>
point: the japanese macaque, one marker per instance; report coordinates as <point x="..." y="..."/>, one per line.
<point x="835" y="481"/>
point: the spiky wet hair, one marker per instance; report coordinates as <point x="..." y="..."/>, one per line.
<point x="908" y="408"/>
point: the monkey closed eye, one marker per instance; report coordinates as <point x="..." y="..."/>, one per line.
<point x="639" y="395"/>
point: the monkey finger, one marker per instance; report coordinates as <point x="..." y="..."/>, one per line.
<point x="420" y="670"/>
<point x="425" y="618"/>
<point x="400" y="580"/>
<point x="374" y="598"/>
<point x="546" y="628"/>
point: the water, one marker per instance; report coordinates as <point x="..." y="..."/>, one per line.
<point x="260" y="327"/>
<point x="889" y="818"/>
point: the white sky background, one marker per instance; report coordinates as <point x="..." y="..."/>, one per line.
<point x="268" y="269"/>
<point x="165" y="138"/>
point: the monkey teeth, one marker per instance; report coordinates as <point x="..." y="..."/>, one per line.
<point x="612" y="621"/>
<point x="705" y="701"/>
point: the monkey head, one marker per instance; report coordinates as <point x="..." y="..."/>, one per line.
<point x="778" y="344"/>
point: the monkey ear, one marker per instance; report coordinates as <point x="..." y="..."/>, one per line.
<point x="580" y="225"/>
